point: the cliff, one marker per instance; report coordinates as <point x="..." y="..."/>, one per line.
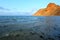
<point x="51" y="10"/>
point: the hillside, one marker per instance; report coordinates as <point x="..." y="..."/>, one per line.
<point x="51" y="10"/>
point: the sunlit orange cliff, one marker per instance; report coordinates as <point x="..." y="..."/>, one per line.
<point x="51" y="10"/>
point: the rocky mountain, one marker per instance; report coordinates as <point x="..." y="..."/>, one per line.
<point x="51" y="10"/>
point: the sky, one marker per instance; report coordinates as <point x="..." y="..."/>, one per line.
<point x="23" y="7"/>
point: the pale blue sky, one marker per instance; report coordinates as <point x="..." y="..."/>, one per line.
<point x="25" y="5"/>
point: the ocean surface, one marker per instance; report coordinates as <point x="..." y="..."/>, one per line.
<point x="48" y="26"/>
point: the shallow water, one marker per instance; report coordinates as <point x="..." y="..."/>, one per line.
<point x="50" y="26"/>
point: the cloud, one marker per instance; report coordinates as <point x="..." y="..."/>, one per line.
<point x="6" y="11"/>
<point x="2" y="8"/>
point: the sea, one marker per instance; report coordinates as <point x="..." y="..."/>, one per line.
<point x="47" y="26"/>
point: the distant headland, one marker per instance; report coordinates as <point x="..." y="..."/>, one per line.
<point x="51" y="10"/>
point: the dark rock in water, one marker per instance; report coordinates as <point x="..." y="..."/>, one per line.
<point x="58" y="36"/>
<point x="41" y="36"/>
<point x="17" y="35"/>
<point x="50" y="39"/>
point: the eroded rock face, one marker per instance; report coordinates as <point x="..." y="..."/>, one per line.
<point x="51" y="10"/>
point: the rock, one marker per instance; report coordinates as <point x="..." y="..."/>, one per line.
<point x="51" y="10"/>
